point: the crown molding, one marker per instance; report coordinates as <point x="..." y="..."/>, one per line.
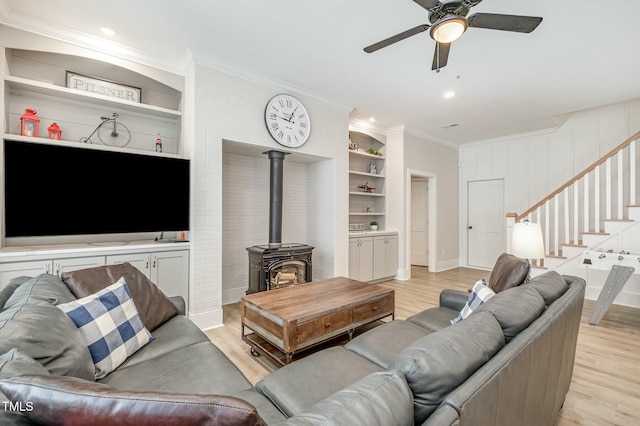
<point x="433" y="139"/>
<point x="235" y="70"/>
<point x="508" y="138"/>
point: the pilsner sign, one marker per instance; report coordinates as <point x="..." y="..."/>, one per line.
<point x="103" y="87"/>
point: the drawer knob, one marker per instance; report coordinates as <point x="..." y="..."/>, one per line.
<point x="327" y="325"/>
<point x="375" y="308"/>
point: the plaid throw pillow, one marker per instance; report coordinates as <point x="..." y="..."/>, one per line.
<point x="480" y="293"/>
<point x="110" y="325"/>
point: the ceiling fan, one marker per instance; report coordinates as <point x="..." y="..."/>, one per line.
<point x="449" y="21"/>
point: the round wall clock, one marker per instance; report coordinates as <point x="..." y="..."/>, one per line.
<point x="287" y="120"/>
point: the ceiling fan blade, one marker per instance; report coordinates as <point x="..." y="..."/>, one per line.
<point x="440" y="55"/>
<point x="494" y="21"/>
<point x="428" y="4"/>
<point x="396" y="38"/>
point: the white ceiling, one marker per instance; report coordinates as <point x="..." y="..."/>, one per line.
<point x="585" y="53"/>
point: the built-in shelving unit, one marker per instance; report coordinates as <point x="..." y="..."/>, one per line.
<point x="366" y="180"/>
<point x="37" y="80"/>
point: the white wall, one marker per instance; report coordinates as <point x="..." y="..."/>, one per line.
<point x="230" y="108"/>
<point x="533" y="165"/>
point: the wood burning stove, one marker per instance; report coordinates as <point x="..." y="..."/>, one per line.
<point x="277" y="265"/>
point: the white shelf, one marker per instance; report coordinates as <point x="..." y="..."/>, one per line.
<point x="75" y="144"/>
<point x="365" y="154"/>
<point x="19" y="83"/>
<point x="373" y="175"/>
<point x="366" y="194"/>
<point x="366" y="214"/>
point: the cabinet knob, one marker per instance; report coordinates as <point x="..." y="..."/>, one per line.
<point x="375" y="308"/>
<point x="327" y="325"/>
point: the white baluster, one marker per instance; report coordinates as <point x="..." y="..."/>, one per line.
<point x="566" y="215"/>
<point x="632" y="173"/>
<point x="576" y="212"/>
<point x="608" y="189"/>
<point x="596" y="199"/>
<point x="547" y="225"/>
<point x="620" y="184"/>
<point x="556" y="222"/>
<point x="585" y="200"/>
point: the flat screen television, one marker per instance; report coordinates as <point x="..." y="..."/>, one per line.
<point x="57" y="190"/>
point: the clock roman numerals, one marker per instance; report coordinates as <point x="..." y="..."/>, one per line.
<point x="287" y="121"/>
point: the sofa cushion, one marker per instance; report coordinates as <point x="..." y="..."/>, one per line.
<point x="434" y="319"/>
<point x="17" y="363"/>
<point x="7" y="290"/>
<point x="198" y="368"/>
<point x="31" y="322"/>
<point x="75" y="401"/>
<point x="515" y="309"/>
<point x="384" y="342"/>
<point x="154" y="306"/>
<point x="110" y="325"/>
<point x="509" y="271"/>
<point x="551" y="285"/>
<point x="480" y="293"/>
<point x="439" y="362"/>
<point x="382" y="398"/>
<point x="295" y="387"/>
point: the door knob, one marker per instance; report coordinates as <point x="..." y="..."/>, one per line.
<point x="469" y="227"/>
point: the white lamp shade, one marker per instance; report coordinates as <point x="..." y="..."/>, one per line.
<point x="526" y="241"/>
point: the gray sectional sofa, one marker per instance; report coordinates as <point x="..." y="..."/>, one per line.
<point x="510" y="362"/>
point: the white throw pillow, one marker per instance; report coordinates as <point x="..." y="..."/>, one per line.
<point x="110" y="325"/>
<point x="480" y="293"/>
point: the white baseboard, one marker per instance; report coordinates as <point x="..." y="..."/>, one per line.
<point x="233" y="295"/>
<point x="403" y="274"/>
<point x="207" y="320"/>
<point x="447" y="264"/>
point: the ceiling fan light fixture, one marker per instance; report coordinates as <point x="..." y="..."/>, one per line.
<point x="448" y="29"/>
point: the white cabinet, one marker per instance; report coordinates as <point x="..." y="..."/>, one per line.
<point x="169" y="270"/>
<point x="37" y="267"/>
<point x="373" y="256"/>
<point x="167" y="267"/>
<point x="361" y="258"/>
<point x="385" y="256"/>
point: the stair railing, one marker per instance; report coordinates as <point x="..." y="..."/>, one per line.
<point x="601" y="191"/>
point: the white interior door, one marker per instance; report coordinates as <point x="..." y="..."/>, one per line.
<point x="485" y="222"/>
<point x="419" y="222"/>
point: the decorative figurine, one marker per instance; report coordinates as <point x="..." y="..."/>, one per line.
<point x="158" y="143"/>
<point x="372" y="168"/>
<point x="29" y="123"/>
<point x="54" y="131"/>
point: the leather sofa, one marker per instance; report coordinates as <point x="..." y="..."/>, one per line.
<point x="510" y="362"/>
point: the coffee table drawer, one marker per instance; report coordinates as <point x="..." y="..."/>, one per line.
<point x="323" y="325"/>
<point x="373" y="309"/>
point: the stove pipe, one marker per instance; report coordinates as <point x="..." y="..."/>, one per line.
<point x="276" y="159"/>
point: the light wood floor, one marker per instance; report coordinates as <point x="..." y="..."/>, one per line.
<point x="605" y="389"/>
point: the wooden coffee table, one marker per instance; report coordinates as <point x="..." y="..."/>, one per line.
<point x="288" y="320"/>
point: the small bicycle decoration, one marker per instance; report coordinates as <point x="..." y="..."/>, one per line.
<point x="110" y="132"/>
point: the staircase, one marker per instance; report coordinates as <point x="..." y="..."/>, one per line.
<point x="597" y="210"/>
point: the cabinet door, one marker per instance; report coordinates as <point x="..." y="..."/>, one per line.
<point x="354" y="261"/>
<point x="74" y="264"/>
<point x="170" y="272"/>
<point x="379" y="257"/>
<point x="361" y="259"/>
<point x="141" y="261"/>
<point x="385" y="256"/>
<point x="391" y="265"/>
<point x="19" y="269"/>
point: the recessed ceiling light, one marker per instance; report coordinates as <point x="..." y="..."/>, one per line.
<point x="107" y="31"/>
<point x="372" y="119"/>
<point x="449" y="94"/>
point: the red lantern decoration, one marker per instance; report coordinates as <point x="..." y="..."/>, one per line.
<point x="54" y="131"/>
<point x="29" y="123"/>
